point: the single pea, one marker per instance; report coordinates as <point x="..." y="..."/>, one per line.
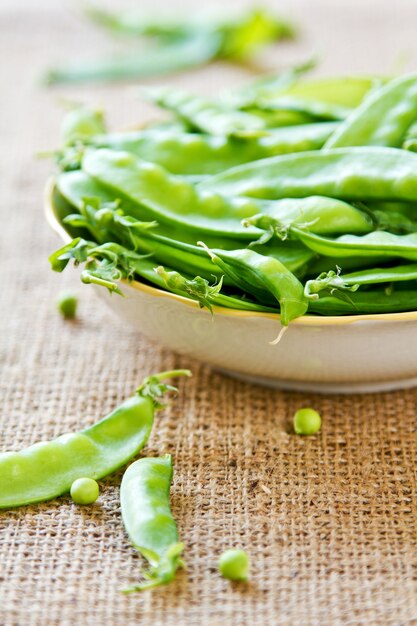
<point x="84" y="491"/>
<point x="307" y="422"/>
<point x="234" y="564"/>
<point x="67" y="304"/>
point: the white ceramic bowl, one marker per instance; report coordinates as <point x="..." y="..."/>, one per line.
<point x="358" y="353"/>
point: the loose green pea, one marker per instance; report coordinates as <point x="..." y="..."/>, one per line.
<point x="234" y="564"/>
<point x="67" y="304"/>
<point x="84" y="491"/>
<point x="307" y="422"/>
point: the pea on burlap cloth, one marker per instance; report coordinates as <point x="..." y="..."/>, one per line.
<point x="329" y="521"/>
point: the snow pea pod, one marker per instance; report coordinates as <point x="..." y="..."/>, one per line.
<point x="366" y="302"/>
<point x="377" y="243"/>
<point x="200" y="154"/>
<point x="191" y="51"/>
<point x="375" y="275"/>
<point x="382" y="119"/>
<point x="207" y="296"/>
<point x="359" y="173"/>
<point x="47" y="469"/>
<point x="192" y="259"/>
<point x="256" y="274"/>
<point x="319" y="214"/>
<point x="305" y="101"/>
<point x="269" y="84"/>
<point x="81" y="123"/>
<point x="110" y="262"/>
<point x="171" y="250"/>
<point x="148" y="520"/>
<point x="169" y="198"/>
<point x="346" y="91"/>
<point x="313" y="109"/>
<point x="86" y="196"/>
<point x="204" y="115"/>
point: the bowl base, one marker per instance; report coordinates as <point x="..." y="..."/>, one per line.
<point x="324" y="387"/>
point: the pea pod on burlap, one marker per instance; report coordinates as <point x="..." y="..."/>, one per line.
<point x="148" y="520"/>
<point x="47" y="469"/>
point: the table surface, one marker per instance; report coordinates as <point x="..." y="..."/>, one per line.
<point x="329" y="521"/>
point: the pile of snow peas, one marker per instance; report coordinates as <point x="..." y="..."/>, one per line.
<point x="289" y="195"/>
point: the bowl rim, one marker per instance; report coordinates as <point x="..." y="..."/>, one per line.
<point x="305" y="320"/>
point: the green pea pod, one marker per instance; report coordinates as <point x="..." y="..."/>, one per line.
<point x="81" y="123"/>
<point x="359" y="173"/>
<point x="110" y="262"/>
<point x="314" y="109"/>
<point x="256" y="274"/>
<point x="84" y="195"/>
<point x="275" y="119"/>
<point x="375" y="275"/>
<point x="199" y="154"/>
<point x="377" y="243"/>
<point x="318" y="214"/>
<point x="242" y="37"/>
<point x="266" y="85"/>
<point x="135" y="23"/>
<point x="382" y="119"/>
<point x="240" y="34"/>
<point x="206" y="295"/>
<point x="175" y="251"/>
<point x="365" y="303"/>
<point x="148" y="520"/>
<point x="47" y="469"/>
<point x="169" y="198"/>
<point x="191" y="51"/>
<point x="203" y="115"/>
<point x="345" y="91"/>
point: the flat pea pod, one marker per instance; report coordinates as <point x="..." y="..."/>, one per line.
<point x="113" y="262"/>
<point x="201" y="154"/>
<point x="147" y="517"/>
<point x="314" y="109"/>
<point x="204" y="115"/>
<point x="366" y="303"/>
<point x="266" y="85"/>
<point x="375" y="275"/>
<point x="382" y="119"/>
<point x="256" y="273"/>
<point x="169" y="198"/>
<point x="320" y="215"/>
<point x="47" y="469"/>
<point x="359" y="173"/>
<point x="81" y="123"/>
<point x="175" y="252"/>
<point x="102" y="214"/>
<point x="377" y="243"/>
<point x="196" y="49"/>
<point x="346" y="91"/>
<point x="206" y="295"/>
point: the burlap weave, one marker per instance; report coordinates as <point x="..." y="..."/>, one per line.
<point x="329" y="521"/>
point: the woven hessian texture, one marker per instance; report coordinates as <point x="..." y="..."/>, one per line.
<point x="329" y="521"/>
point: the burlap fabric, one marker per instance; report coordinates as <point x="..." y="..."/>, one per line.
<point x="329" y="521"/>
